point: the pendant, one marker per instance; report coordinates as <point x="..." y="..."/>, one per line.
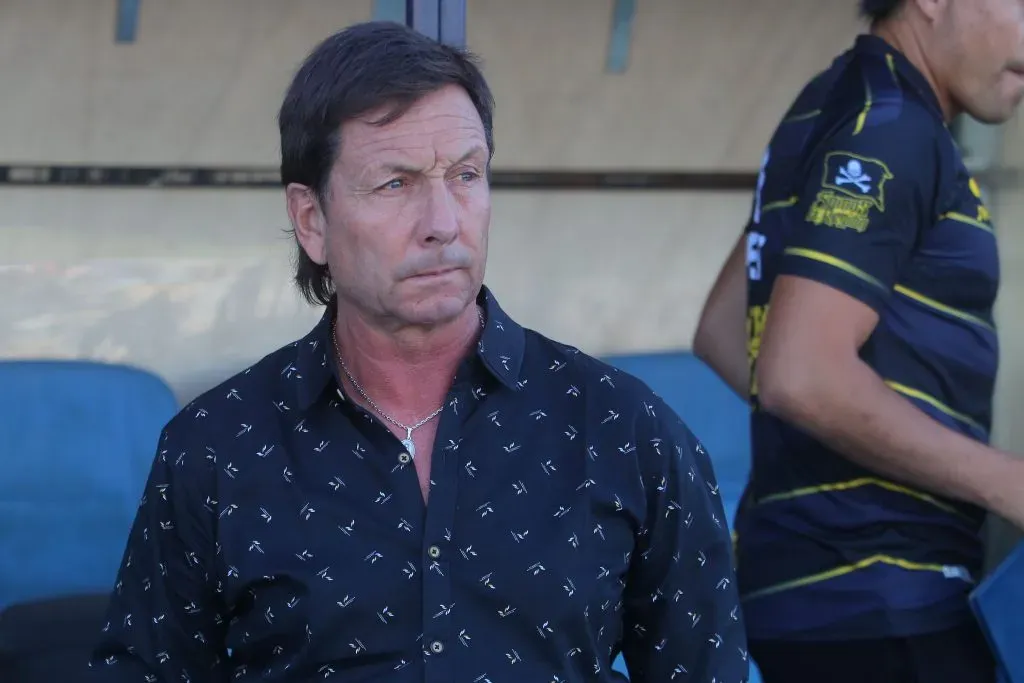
<point x="410" y="447"/>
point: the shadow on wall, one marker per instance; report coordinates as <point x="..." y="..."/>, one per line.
<point x="190" y="321"/>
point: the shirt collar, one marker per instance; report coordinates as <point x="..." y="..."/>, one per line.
<point x="500" y="350"/>
<point x="875" y="45"/>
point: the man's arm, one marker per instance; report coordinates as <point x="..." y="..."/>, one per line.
<point x="810" y="374"/>
<point x="721" y="338"/>
<point x="682" y="616"/>
<point x="868" y="198"/>
<point x="163" y="621"/>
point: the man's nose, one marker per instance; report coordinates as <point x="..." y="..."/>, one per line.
<point x="440" y="220"/>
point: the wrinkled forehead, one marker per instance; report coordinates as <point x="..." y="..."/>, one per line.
<point x="441" y="126"/>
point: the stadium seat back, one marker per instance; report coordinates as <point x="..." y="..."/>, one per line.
<point x="76" y="443"/>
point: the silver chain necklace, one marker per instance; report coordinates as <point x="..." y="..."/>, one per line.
<point x="407" y="442"/>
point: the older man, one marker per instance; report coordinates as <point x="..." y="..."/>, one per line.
<point x="420" y="489"/>
<point x="867" y="277"/>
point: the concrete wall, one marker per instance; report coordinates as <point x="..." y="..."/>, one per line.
<point x="194" y="283"/>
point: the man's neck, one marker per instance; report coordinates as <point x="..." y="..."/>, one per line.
<point x="900" y="34"/>
<point x="406" y="372"/>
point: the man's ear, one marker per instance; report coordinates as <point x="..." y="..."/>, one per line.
<point x="932" y="10"/>
<point x="308" y="221"/>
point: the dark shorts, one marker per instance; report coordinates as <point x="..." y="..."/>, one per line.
<point x="959" y="655"/>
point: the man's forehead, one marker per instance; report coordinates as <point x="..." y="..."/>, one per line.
<point x="386" y="161"/>
<point x="413" y="147"/>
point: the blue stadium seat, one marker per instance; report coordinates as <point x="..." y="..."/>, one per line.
<point x="76" y="443"/>
<point x="715" y="414"/>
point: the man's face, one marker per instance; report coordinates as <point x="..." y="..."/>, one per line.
<point x="982" y="43"/>
<point x="406" y="219"/>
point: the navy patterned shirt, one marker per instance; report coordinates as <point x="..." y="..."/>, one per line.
<point x="282" y="535"/>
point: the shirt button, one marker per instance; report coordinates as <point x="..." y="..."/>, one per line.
<point x="405" y="458"/>
<point x="437" y="647"/>
<point x="434" y="552"/>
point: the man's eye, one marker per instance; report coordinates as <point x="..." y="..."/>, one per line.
<point x="396" y="184"/>
<point x="468" y="176"/>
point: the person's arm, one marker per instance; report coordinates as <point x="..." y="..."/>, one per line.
<point x="164" y="622"/>
<point x="837" y="272"/>
<point x="682" y="619"/>
<point x="721" y="338"/>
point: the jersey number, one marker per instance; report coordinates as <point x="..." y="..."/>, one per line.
<point x="755" y="242"/>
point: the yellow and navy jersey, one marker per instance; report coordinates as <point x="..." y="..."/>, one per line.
<point x="863" y="189"/>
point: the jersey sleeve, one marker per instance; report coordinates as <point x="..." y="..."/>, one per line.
<point x="866" y="196"/>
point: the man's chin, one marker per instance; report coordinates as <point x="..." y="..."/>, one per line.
<point x="438" y="308"/>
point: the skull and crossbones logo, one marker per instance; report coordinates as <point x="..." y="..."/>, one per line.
<point x="853" y="174"/>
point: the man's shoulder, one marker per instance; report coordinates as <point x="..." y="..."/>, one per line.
<point x="590" y="373"/>
<point x="861" y="94"/>
<point x="868" y="152"/>
<point x="905" y="127"/>
<point x="242" y="400"/>
<point x="856" y="136"/>
<point x="871" y="100"/>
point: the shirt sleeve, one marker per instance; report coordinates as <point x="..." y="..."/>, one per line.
<point x="683" y="621"/>
<point x="164" y="620"/>
<point x="867" y="195"/>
